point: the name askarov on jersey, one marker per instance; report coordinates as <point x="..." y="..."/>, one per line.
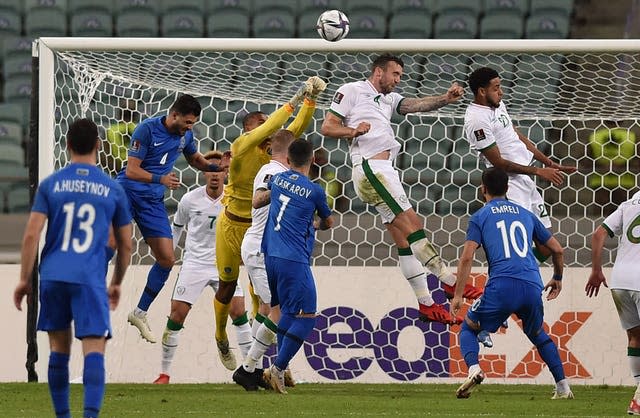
<point x="293" y="188"/>
<point x="81" y="186"/>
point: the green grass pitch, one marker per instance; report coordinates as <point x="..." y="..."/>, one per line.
<point x="318" y="400"/>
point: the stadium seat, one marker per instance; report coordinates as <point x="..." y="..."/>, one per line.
<point x="275" y="6"/>
<point x="408" y="25"/>
<point x="16" y="46"/>
<point x="14" y="6"/>
<point x="91" y="23"/>
<point x="366" y="7"/>
<point x="45" y="22"/>
<point x="18" y="200"/>
<point x="16" y="65"/>
<point x="231" y="24"/>
<point x="92" y="6"/>
<point x="455" y="26"/>
<point x="191" y="6"/>
<point x="278" y="24"/>
<point x="182" y="25"/>
<point x="501" y="25"/>
<point x="548" y="26"/>
<point x="307" y="21"/>
<point x="13" y="113"/>
<point x="57" y="5"/>
<point x="18" y="89"/>
<point x="543" y="7"/>
<point x="10" y="23"/>
<point x="12" y="176"/>
<point x="152" y="7"/>
<point x="318" y="6"/>
<point x="137" y="24"/>
<point x="11" y="153"/>
<point x="519" y="7"/>
<point x="458" y="7"/>
<point x="226" y="6"/>
<point x="367" y="25"/>
<point x="11" y="132"/>
<point x="412" y="6"/>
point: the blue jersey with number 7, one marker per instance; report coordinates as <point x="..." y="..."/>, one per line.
<point x="80" y="202"/>
<point x="289" y="232"/>
<point x="506" y="232"/>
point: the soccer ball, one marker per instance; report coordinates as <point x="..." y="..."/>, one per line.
<point x="333" y="25"/>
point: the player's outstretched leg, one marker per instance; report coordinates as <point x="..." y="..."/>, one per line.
<point x="475" y="377"/>
<point x="549" y="353"/>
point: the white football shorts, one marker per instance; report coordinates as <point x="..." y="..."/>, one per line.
<point x="253" y="261"/>
<point x="192" y="280"/>
<point x="377" y="183"/>
<point x="628" y="305"/>
<point x="523" y="191"/>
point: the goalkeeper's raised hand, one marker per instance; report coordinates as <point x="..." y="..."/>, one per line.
<point x="304" y="90"/>
<point x="319" y="85"/>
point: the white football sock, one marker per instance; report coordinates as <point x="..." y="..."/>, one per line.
<point x="244" y="338"/>
<point x="562" y="386"/>
<point x="170" y="341"/>
<point x="473" y="369"/>
<point x="413" y="271"/>
<point x="261" y="342"/>
<point x="139" y="312"/>
<point x="634" y="363"/>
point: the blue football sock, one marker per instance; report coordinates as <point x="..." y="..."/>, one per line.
<point x="93" y="379"/>
<point x="469" y="345"/>
<point x="158" y="275"/>
<point x="286" y="320"/>
<point x="59" y="383"/>
<point x="293" y="340"/>
<point x="549" y="353"/>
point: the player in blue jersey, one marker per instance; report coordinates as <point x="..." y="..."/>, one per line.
<point x="287" y="243"/>
<point x="156" y="143"/>
<point x="507" y="233"/>
<point x="79" y="203"/>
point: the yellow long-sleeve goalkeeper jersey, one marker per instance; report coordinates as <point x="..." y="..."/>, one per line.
<point x="248" y="156"/>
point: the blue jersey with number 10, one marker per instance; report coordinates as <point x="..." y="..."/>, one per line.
<point x="158" y="149"/>
<point x="506" y="232"/>
<point x="80" y="203"/>
<point x="289" y="232"/>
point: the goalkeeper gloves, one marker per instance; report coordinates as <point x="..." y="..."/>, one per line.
<point x="319" y="85"/>
<point x="304" y="90"/>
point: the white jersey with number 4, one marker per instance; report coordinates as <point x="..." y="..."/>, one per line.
<point x="360" y="102"/>
<point x="625" y="222"/>
<point x="253" y="237"/>
<point x="198" y="212"/>
<point x="485" y="126"/>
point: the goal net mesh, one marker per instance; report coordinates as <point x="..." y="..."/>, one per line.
<point x="559" y="100"/>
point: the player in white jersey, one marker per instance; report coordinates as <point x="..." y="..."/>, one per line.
<point x="361" y="113"/>
<point x="265" y="325"/>
<point x="625" y="278"/>
<point x="198" y="211"/>
<point x="490" y="132"/>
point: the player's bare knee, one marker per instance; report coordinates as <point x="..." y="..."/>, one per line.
<point x="236" y="309"/>
<point x="634" y="337"/>
<point x="179" y="311"/>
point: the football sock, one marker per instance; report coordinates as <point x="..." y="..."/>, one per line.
<point x="293" y="339"/>
<point x="469" y="345"/>
<point x="170" y="341"/>
<point x="423" y="250"/>
<point x="414" y="272"/>
<point x="562" y="386"/>
<point x="93" y="379"/>
<point x="633" y="354"/>
<point x="549" y="353"/>
<point x="158" y="275"/>
<point x="222" y="313"/>
<point x="265" y="337"/>
<point x="243" y="333"/>
<point x="283" y="326"/>
<point x="58" y="374"/>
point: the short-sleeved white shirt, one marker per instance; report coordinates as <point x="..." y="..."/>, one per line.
<point x="359" y="102"/>
<point x="625" y="222"/>
<point x="199" y="213"/>
<point x="253" y="237"/>
<point x="485" y="126"/>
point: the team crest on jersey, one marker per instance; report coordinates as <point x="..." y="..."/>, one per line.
<point x="267" y="178"/>
<point x="180" y="290"/>
<point x="227" y="270"/>
<point x="135" y="146"/>
<point x="479" y="134"/>
<point x="338" y="97"/>
<point x="294" y="177"/>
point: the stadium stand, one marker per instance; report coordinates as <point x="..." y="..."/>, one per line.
<point x="501" y="25"/>
<point x="152" y="7"/>
<point x="367" y="24"/>
<point x="182" y="24"/>
<point x="192" y="6"/>
<point x="275" y="6"/>
<point x="93" y="6"/>
<point x="407" y="25"/>
<point x="547" y="26"/>
<point x="228" y="24"/>
<point x="519" y="7"/>
<point x="91" y="23"/>
<point x="238" y="6"/>
<point x="276" y="24"/>
<point x="45" y="22"/>
<point x="10" y="23"/>
<point x="455" y="26"/>
<point x="544" y="7"/>
<point x="136" y="23"/>
<point x="366" y="7"/>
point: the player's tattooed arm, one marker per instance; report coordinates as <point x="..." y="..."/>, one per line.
<point x="428" y="103"/>
<point x="261" y="198"/>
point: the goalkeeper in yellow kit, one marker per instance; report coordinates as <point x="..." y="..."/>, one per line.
<point x="250" y="151"/>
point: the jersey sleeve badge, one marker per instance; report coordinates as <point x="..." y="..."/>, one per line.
<point x="480" y="135"/>
<point x="338" y="97"/>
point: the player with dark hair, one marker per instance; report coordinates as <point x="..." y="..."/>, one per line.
<point x="288" y="240"/>
<point x="80" y="204"/>
<point x="361" y="113"/>
<point x="156" y="143"/>
<point x="507" y="232"/>
<point x="250" y="152"/>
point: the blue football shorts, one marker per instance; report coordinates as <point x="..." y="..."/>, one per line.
<point x="503" y="297"/>
<point x="87" y="306"/>
<point x="150" y="215"/>
<point x="291" y="285"/>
